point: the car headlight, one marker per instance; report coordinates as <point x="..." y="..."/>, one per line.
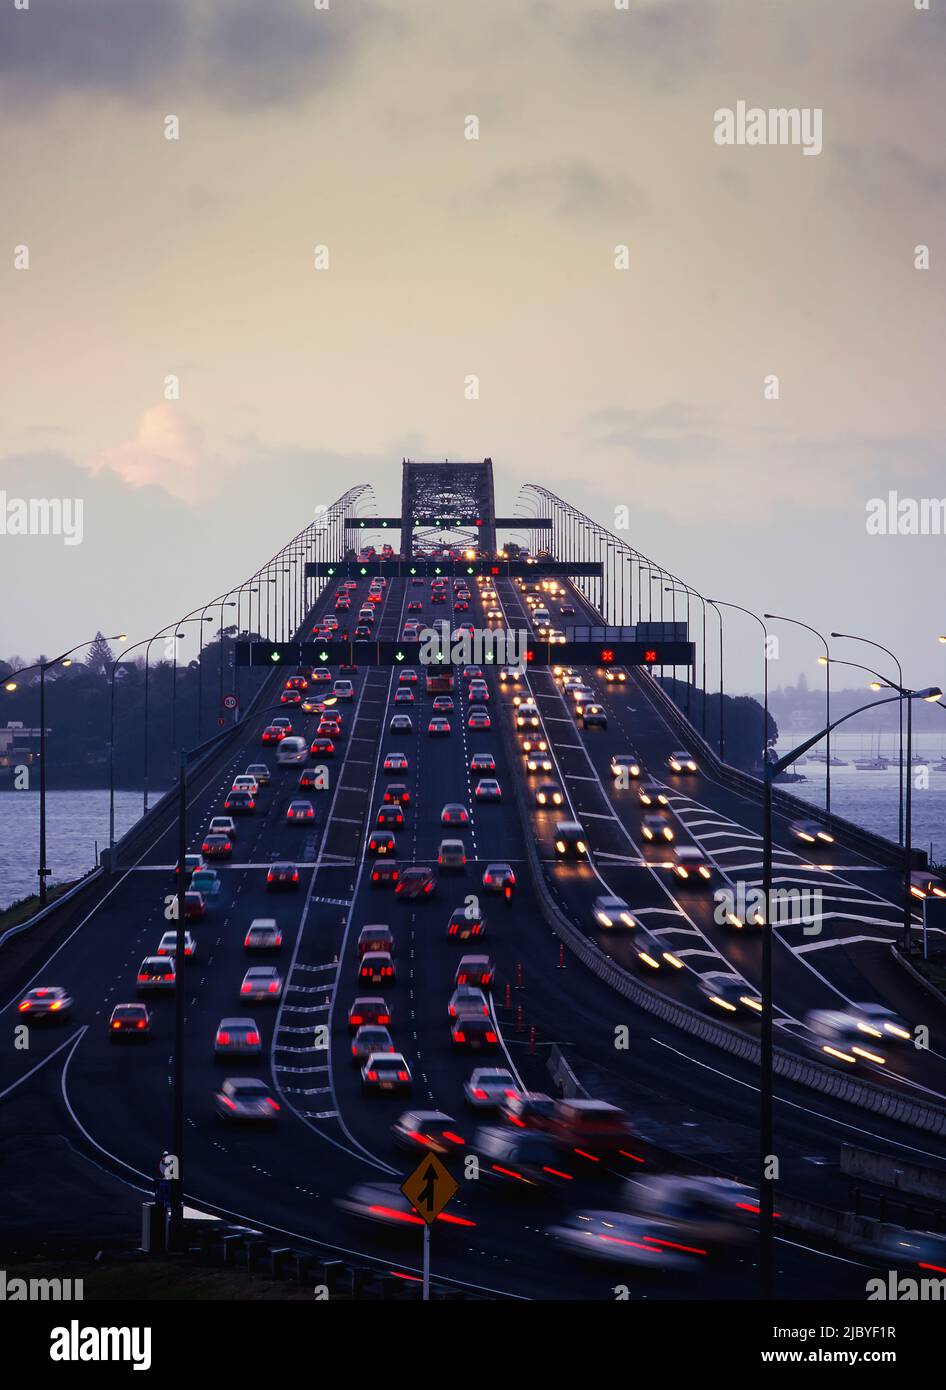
<point x="560" y="846"/>
<point x="582" y="848"/>
<point x="604" y="919"/>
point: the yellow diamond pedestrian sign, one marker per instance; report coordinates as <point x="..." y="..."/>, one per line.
<point x="429" y="1188"/>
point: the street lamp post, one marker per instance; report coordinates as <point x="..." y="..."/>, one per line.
<point x="824" y="661"/>
<point x="722" y="693"/>
<point x="765" y="669"/>
<point x="850" y="637"/>
<point x="766" y="1059"/>
<point x="10" y="684"/>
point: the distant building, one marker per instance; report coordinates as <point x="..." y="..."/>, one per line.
<point x="19" y="747"/>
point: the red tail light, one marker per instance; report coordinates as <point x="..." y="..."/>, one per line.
<point x="355" y="1020"/>
<point x="246" y="989"/>
<point x="227" y="1101"/>
<point x="116" y="1024"/>
<point x="458" y="1036"/>
<point x="270" y="1101"/>
<point x="591" y="1157"/>
<point x="384" y="1018"/>
<point x="223" y="1039"/>
<point x="402" y="1076"/>
<point x="454" y="1220"/>
<point x="252" y="1039"/>
<point x="142" y="980"/>
<point x="462" y="979"/>
<point x="272" y="986"/>
<point x="372" y="1076"/>
<point x="557" y="1173"/>
<point x="490" y="1036"/>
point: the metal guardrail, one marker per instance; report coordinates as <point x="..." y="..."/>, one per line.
<point x="42" y="913"/>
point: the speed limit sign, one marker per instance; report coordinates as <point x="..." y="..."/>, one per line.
<point x="230" y="702"/>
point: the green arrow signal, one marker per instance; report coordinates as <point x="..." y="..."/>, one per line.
<point x="274" y="656"/>
<point x="323" y="656"/>
<point x="363" y="570"/>
<point x="413" y="569"/>
<point x="398" y="656"/>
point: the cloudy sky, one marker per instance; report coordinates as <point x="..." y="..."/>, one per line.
<point x="645" y="387"/>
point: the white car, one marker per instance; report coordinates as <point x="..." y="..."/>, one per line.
<point x="620" y="1238"/>
<point x="167" y="946"/>
<point x="246" y="1098"/>
<point x="343" y="690"/>
<point x="245" y="783"/>
<point x="490" y="1087"/>
<point x="810" y="832"/>
<point x="222" y="825"/>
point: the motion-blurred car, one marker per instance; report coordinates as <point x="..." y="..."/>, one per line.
<point x="708" y="1212"/>
<point x="473" y="1032"/>
<point x="376" y="968"/>
<point x="454" y="814"/>
<point x="689" y="862"/>
<point x="167" y="946"/>
<point x="451" y="854"/>
<point x="610" y="911"/>
<point x="877" y="1021"/>
<point x="811" y="832"/>
<point x="217" y="847"/>
<point x="427" y="1129"/>
<point x="195" y="908"/>
<point x="651" y="793"/>
<point x="375" y="938"/>
<point x="282" y="877"/>
<point x="156" y="975"/>
<point x="263" y="934"/>
<point x="727" y="994"/>
<point x="368" y="1039"/>
<point x="521" y="1159"/>
<point x="529" y="1110"/>
<point x="237" y="1037"/>
<point x="591" y="1128"/>
<point x="386" y="1071"/>
<point x="923" y="884"/>
<point x="261" y="983"/>
<point x="488" y="789"/>
<point x="206" y="882"/>
<point x="837" y="1036"/>
<point x="619" y="1238"/>
<point x="261" y="772"/>
<point x="681" y="761"/>
<point x="465" y="924"/>
<point x="384" y="1204"/>
<point x="416" y="882"/>
<point x="47" y="1001"/>
<point x="467" y="999"/>
<point x="383" y="872"/>
<point x="657" y="827"/>
<point x="570" y="840"/>
<point x="368" y="1009"/>
<point x="246" y="1099"/>
<point x="129" y="1021"/>
<point x="382" y="842"/>
<point x="549" y="794"/>
<point x="499" y="878"/>
<point x="651" y="955"/>
<point x="475" y="970"/>
<point x="488" y="1088"/>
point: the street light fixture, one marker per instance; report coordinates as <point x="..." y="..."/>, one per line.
<point x="43" y="666"/>
<point x="824" y="661"/>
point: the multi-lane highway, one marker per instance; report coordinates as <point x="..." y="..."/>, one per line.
<point x="332" y="1137"/>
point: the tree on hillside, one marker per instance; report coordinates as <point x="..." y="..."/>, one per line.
<point x="100" y="656"/>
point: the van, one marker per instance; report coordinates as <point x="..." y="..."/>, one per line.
<point x="292" y="750"/>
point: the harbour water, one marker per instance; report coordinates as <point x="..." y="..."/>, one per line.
<point x="76" y="822"/>
<point x="871" y="798"/>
